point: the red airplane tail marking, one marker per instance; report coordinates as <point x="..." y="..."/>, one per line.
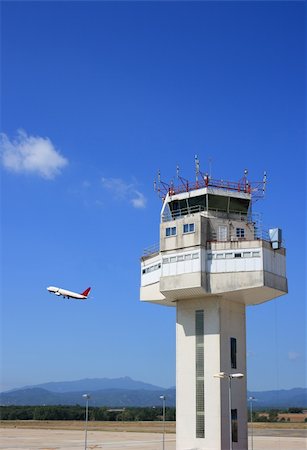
<point x="86" y="292"/>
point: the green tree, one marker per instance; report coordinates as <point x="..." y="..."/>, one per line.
<point x="273" y="415"/>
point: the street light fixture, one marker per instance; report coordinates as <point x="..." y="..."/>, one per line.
<point x="251" y="400"/>
<point x="87" y="397"/>
<point x="229" y="376"/>
<point x="162" y="397"/>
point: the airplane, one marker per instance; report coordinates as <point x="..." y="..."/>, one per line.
<point x="68" y="294"/>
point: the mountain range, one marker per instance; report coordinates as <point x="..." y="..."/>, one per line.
<point x="120" y="392"/>
<point x="97" y="384"/>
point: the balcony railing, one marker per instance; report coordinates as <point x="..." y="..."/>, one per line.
<point x="149" y="251"/>
<point x="259" y="235"/>
<point x="179" y="213"/>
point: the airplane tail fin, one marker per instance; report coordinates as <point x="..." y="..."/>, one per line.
<point x="86" y="292"/>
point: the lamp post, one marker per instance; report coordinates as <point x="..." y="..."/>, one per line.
<point x="162" y="397"/>
<point x="87" y="397"/>
<point x="251" y="399"/>
<point x="230" y="376"/>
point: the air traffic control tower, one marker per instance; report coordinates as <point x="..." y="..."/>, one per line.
<point x="213" y="260"/>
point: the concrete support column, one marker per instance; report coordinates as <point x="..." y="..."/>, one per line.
<point x="222" y="319"/>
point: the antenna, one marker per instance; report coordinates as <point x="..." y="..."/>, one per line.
<point x="246" y="180"/>
<point x="196" y="168"/>
<point x="207" y="179"/>
<point x="210" y="167"/>
<point x="184" y="182"/>
<point x="162" y="188"/>
<point x="264" y="182"/>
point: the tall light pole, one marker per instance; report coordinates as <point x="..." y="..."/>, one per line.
<point x="230" y="376"/>
<point x="162" y="397"/>
<point x="251" y="399"/>
<point x="87" y="397"/>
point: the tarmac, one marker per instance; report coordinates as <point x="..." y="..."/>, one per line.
<point x="32" y="439"/>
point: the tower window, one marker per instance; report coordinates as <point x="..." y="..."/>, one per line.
<point x="233" y="353"/>
<point x="222" y="233"/>
<point x="199" y="372"/>
<point x="189" y="228"/>
<point x="234" y="425"/>
<point x="170" y="231"/>
<point x="240" y="233"/>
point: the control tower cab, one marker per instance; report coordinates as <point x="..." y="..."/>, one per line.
<point x="213" y="260"/>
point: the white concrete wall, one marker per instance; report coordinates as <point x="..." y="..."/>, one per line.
<point x="181" y="262"/>
<point x="222" y="320"/>
<point x="232" y="324"/>
<point x="251" y="259"/>
<point x="181" y="239"/>
<point x="274" y="262"/>
<point x="178" y="262"/>
<point x="185" y="376"/>
<point x="150" y="271"/>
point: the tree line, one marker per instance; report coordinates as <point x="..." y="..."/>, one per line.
<point x="77" y="412"/>
<point x="273" y="415"/>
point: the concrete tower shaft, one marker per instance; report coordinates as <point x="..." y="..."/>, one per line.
<point x="212" y="260"/>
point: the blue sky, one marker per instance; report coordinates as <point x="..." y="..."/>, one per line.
<point x="96" y="97"/>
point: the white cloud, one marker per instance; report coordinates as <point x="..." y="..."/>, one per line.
<point x="122" y="190"/>
<point x="139" y="200"/>
<point x="31" y="154"/>
<point x="119" y="188"/>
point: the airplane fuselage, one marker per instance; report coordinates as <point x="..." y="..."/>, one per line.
<point x="67" y="294"/>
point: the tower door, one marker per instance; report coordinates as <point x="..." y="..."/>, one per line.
<point x="222" y="233"/>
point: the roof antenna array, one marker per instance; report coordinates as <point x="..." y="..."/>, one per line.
<point x="256" y="189"/>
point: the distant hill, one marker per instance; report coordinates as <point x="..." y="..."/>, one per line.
<point x="96" y="384"/>
<point x="296" y="398"/>
<point x="107" y="397"/>
<point x="117" y="392"/>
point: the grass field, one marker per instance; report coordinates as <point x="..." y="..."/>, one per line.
<point x="146" y="427"/>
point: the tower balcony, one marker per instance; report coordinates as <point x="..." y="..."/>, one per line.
<point x="248" y="272"/>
